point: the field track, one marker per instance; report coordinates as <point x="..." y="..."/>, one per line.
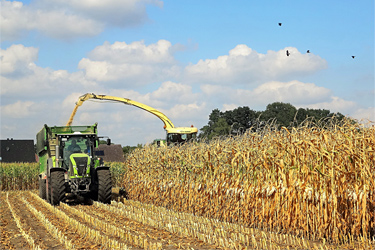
<point x="27" y="222"/>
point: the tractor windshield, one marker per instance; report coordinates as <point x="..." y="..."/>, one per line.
<point x="174" y="138"/>
<point x="77" y="144"/>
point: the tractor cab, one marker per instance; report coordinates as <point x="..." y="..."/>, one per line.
<point x="76" y="146"/>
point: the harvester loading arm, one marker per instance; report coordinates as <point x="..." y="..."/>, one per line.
<point x="174" y="134"/>
<point x="167" y="123"/>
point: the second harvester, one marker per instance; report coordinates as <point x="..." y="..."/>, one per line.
<point x="175" y="135"/>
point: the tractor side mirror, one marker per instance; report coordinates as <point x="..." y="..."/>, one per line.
<point x="108" y="141"/>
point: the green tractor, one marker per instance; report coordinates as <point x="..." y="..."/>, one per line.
<point x="69" y="165"/>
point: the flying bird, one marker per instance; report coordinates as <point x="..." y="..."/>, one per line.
<point x="308" y="51"/>
<point x="353" y="57"/>
<point x="280" y="24"/>
<point x="287" y="53"/>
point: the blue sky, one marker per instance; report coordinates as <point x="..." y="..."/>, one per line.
<point x="184" y="58"/>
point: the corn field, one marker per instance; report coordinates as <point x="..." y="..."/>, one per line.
<point x="19" y="176"/>
<point x="312" y="181"/>
<point x="24" y="176"/>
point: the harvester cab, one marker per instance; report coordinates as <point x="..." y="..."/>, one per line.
<point x="69" y="166"/>
<point x="180" y="135"/>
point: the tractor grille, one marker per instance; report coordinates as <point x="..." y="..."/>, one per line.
<point x="81" y="165"/>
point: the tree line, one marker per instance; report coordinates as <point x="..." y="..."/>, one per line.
<point x="239" y="120"/>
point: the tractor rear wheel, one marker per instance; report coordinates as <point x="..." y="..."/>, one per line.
<point x="42" y="189"/>
<point x="57" y="187"/>
<point x="104" y="186"/>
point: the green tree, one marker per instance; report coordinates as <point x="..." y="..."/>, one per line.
<point x="220" y="128"/>
<point x="229" y="122"/>
<point x="302" y="114"/>
<point x="316" y="115"/>
<point x="284" y="113"/>
<point x="240" y="119"/>
<point x="208" y="129"/>
<point x="129" y="149"/>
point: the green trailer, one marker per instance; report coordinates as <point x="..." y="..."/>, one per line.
<point x="70" y="166"/>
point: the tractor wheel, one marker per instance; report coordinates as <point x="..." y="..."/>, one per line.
<point x="42" y="189"/>
<point x="104" y="186"/>
<point x="57" y="187"/>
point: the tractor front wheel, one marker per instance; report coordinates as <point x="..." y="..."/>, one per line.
<point x="104" y="186"/>
<point x="56" y="187"/>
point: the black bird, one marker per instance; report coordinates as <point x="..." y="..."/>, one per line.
<point x="287" y="53"/>
<point x="353" y="57"/>
<point x="308" y="51"/>
<point x="280" y="24"/>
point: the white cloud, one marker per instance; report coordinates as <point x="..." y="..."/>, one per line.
<point x="336" y="104"/>
<point x="70" y="100"/>
<point x="16" y="19"/>
<point x="294" y="92"/>
<point x="172" y="92"/>
<point x="20" y="76"/>
<point x="123" y="13"/>
<point x="246" y="66"/>
<point x="134" y="53"/>
<point x="20" y="109"/>
<point x="96" y="70"/>
<point x="70" y="19"/>
<point x="186" y="112"/>
<point x="227" y="107"/>
<point x="18" y="59"/>
<point x="42" y="82"/>
<point x="134" y="63"/>
<point x="364" y="114"/>
<point x="59" y="25"/>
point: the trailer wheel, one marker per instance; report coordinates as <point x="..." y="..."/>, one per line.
<point x="104" y="186"/>
<point x="57" y="187"/>
<point x="42" y="189"/>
